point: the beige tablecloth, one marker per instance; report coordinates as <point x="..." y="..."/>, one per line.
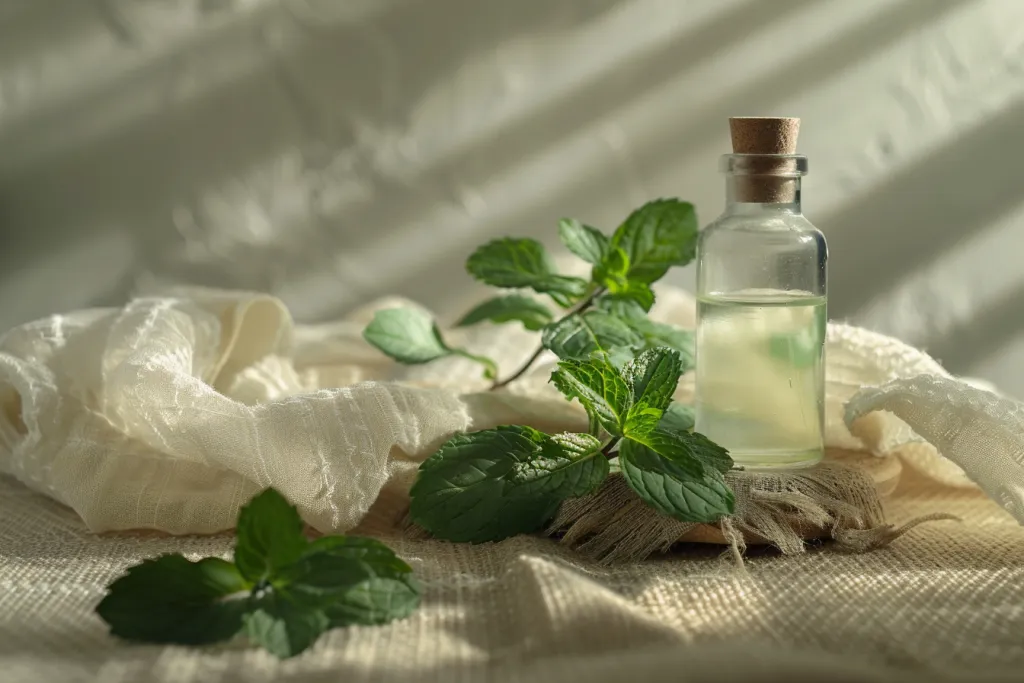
<point x="945" y="600"/>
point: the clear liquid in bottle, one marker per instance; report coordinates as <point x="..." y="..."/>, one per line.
<point x="760" y="373"/>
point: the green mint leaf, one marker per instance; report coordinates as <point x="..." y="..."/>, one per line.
<point x="619" y="356"/>
<point x="523" y="262"/>
<point x="269" y="536"/>
<point x="510" y="262"/>
<point x="474" y="489"/>
<point x="563" y="290"/>
<point x="172" y="600"/>
<point x="512" y="308"/>
<point x="653" y="375"/>
<point x="621" y="307"/>
<point x="677" y="445"/>
<point x="611" y="272"/>
<point x="568" y="466"/>
<point x="579" y="335"/>
<point x="639" y="293"/>
<point x="672" y="446"/>
<point x="677" y="418"/>
<point x="653" y="334"/>
<point x="281" y="626"/>
<point x="493" y="484"/>
<point x="657" y="236"/>
<point x="671" y="489"/>
<point x="600" y="389"/>
<point x="352" y="580"/>
<point x="375" y="601"/>
<point x="660" y="334"/>
<point x="652" y="378"/>
<point x="408" y="335"/>
<point x="590" y="244"/>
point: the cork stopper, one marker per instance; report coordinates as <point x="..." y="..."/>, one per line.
<point x="763" y="135"/>
<point x="765" y="180"/>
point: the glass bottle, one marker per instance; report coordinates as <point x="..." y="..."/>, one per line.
<point x="761" y="314"/>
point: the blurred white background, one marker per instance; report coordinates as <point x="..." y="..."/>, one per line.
<point x="333" y="151"/>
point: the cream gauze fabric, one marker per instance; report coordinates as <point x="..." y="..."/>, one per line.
<point x="171" y="412"/>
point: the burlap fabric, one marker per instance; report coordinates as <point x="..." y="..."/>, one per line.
<point x="169" y="413"/>
<point x="944" y="601"/>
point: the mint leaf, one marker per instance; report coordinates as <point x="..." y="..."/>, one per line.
<point x="500" y="482"/>
<point x="671" y="488"/>
<point x="652" y="378"/>
<point x="678" y="446"/>
<point x="569" y="466"/>
<point x="464" y="493"/>
<point x="581" y="334"/>
<point x="172" y="600"/>
<point x="639" y="293"/>
<point x="353" y="581"/>
<point x="375" y="601"/>
<point x="611" y="271"/>
<point x="269" y="536"/>
<point x="653" y="334"/>
<point x="523" y="262"/>
<point x="672" y="438"/>
<point x="618" y="356"/>
<point x="515" y="307"/>
<point x="653" y="375"/>
<point x="408" y="335"/>
<point x="660" y="334"/>
<point x="677" y="417"/>
<point x="657" y="236"/>
<point x="600" y="389"/>
<point x="673" y="446"/>
<point x="590" y="244"/>
<point x="510" y="262"/>
<point x="283" y="627"/>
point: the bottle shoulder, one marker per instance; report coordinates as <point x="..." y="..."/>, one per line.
<point x="762" y="222"/>
<point x="773" y="229"/>
<point x="738" y="239"/>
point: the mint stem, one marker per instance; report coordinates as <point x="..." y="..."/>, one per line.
<point x="612" y="443"/>
<point x="578" y="308"/>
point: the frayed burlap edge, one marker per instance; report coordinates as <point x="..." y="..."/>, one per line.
<point x="783" y="509"/>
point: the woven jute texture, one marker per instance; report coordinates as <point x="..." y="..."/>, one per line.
<point x="946" y="600"/>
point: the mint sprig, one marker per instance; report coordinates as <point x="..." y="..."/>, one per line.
<point x="282" y="591"/>
<point x="657" y="236"/>
<point x="621" y="366"/>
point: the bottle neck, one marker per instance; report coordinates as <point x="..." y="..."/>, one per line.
<point x="746" y="194"/>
